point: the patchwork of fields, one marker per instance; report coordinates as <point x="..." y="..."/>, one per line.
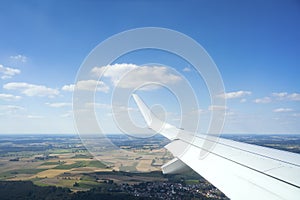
<point x="64" y="161"/>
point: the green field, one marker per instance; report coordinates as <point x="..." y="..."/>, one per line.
<point x="53" y="163"/>
<point x="79" y="164"/>
<point x="13" y="173"/>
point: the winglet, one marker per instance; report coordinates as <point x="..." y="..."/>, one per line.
<point x="143" y="108"/>
<point x="153" y="122"/>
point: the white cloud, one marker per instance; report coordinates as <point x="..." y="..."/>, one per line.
<point x="296" y="114"/>
<point x="294" y="97"/>
<point x="263" y="100"/>
<point x="237" y="94"/>
<point x="287" y="96"/>
<point x="35" y="116"/>
<point x="66" y="115"/>
<point x="116" y="108"/>
<point x="91" y="85"/>
<point x="113" y="71"/>
<point x="243" y="100"/>
<point x="229" y="113"/>
<point x="217" y="107"/>
<point x="186" y="69"/>
<point x="9" y="97"/>
<point x="69" y="88"/>
<point x="279" y="110"/>
<point x="136" y="76"/>
<point x="31" y="89"/>
<point x="7" y="72"/>
<point x="88" y="85"/>
<point x="98" y="105"/>
<point x="59" y="105"/>
<point x="123" y="109"/>
<point x="19" y="57"/>
<point x="280" y="94"/>
<point x="10" y="109"/>
<point x="197" y="112"/>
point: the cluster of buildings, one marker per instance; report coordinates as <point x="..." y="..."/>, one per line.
<point x="172" y="191"/>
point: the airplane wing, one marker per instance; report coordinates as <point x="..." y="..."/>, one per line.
<point x="239" y="170"/>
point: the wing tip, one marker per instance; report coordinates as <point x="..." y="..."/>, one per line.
<point x="143" y="109"/>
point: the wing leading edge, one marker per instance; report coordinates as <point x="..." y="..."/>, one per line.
<point x="240" y="170"/>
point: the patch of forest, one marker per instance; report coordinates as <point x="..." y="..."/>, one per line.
<point x="26" y="190"/>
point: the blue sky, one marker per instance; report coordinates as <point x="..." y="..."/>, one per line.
<point x="255" y="45"/>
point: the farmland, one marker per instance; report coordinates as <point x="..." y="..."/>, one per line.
<point x="63" y="161"/>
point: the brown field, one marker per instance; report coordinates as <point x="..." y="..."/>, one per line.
<point x="141" y="159"/>
<point x="144" y="166"/>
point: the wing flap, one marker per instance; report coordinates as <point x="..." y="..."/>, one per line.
<point x="264" y="164"/>
<point x="175" y="166"/>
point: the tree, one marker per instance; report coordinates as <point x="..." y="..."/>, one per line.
<point x="76" y="184"/>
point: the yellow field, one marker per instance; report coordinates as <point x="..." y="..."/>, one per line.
<point x="50" y="173"/>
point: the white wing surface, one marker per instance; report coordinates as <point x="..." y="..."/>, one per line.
<point x="239" y="170"/>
